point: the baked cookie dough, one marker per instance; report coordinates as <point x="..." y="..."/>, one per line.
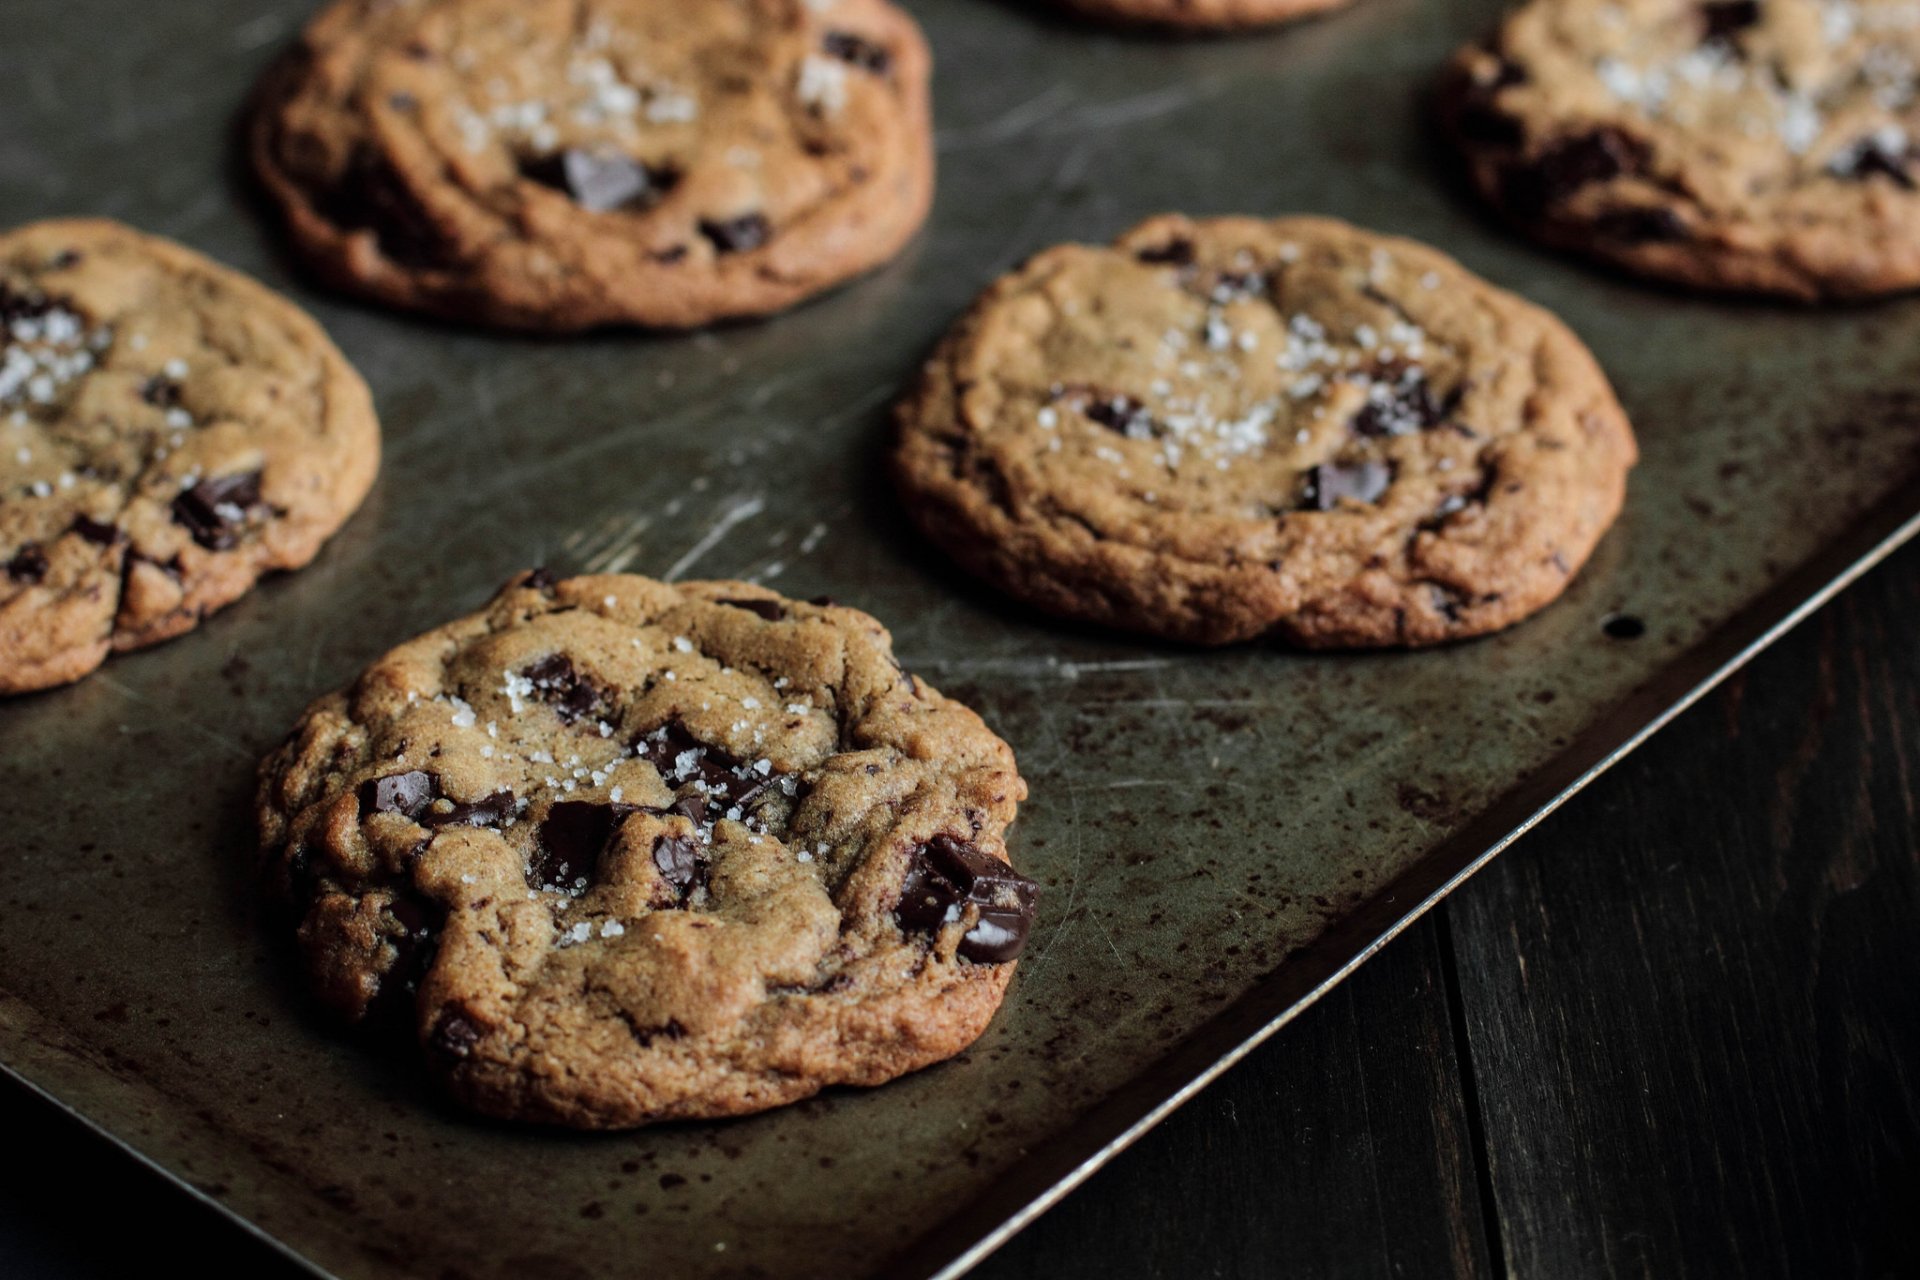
<point x="1766" y="146"/>
<point x="169" y="431"/>
<point x="622" y="851"/>
<point x="1218" y="430"/>
<point x="553" y="165"/>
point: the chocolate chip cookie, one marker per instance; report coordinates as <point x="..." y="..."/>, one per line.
<point x="1769" y="146"/>
<point x="558" y="165"/>
<point x="1202" y="15"/>
<point x="621" y="851"/>
<point x="169" y="432"/>
<point x="1218" y="430"/>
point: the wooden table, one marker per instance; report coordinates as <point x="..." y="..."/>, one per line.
<point x="1675" y="1032"/>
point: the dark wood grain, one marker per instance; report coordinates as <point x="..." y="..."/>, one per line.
<point x="1693" y="999"/>
<point x="1339" y="1146"/>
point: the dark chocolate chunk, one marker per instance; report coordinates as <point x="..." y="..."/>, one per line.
<point x="859" y="51"/>
<point x="1122" y="413"/>
<point x="1533" y="188"/>
<point x="946" y="876"/>
<point x="1481" y="121"/>
<point x="540" y="579"/>
<point x="213" y="509"/>
<point x="104" y="535"/>
<point x="1721" y="21"/>
<point x="1329" y="482"/>
<point x="598" y="179"/>
<point x="1174" y="253"/>
<point x="678" y="859"/>
<point x="1646" y="224"/>
<point x="454" y="1035"/>
<point x="1229" y="286"/>
<point x="407" y="794"/>
<point x="488" y="811"/>
<point x="572" y="694"/>
<point x="1447" y="601"/>
<point x="1875" y="154"/>
<point x="29" y="564"/>
<point x="768" y="609"/>
<point x="161" y="392"/>
<point x="573" y="837"/>
<point x="824" y="602"/>
<point x="1400" y="408"/>
<point x="372" y="195"/>
<point x="15" y="305"/>
<point x="711" y="778"/>
<point x="737" y="235"/>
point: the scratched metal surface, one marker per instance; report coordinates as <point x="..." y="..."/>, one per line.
<point x="1195" y="817"/>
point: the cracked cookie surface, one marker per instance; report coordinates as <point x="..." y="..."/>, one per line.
<point x="1202" y="15"/>
<point x="574" y="163"/>
<point x="1768" y="146"/>
<point x="1218" y="430"/>
<point x="169" y="431"/>
<point x="622" y="851"/>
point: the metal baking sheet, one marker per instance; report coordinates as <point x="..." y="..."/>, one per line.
<point x="1221" y="835"/>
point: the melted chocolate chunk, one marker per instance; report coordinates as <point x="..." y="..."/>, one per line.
<point x="680" y="864"/>
<point x="572" y="839"/>
<point x="29" y="564"/>
<point x="599" y="180"/>
<point x="161" y="392"/>
<point x="1174" y="253"/>
<point x="454" y="1035"/>
<point x="1644" y="225"/>
<point x="15" y="305"/>
<point x="1481" y="118"/>
<point x="1121" y="413"/>
<point x="415" y="943"/>
<point x="372" y="196"/>
<point x="1401" y="408"/>
<point x="737" y="235"/>
<point x="1230" y="286"/>
<point x="1888" y="157"/>
<point x="1330" y="482"/>
<point x="859" y="51"/>
<point x="407" y="794"/>
<point x="1720" y="22"/>
<point x="768" y="609"/>
<point x="212" y="510"/>
<point x="416" y="796"/>
<point x="714" y="781"/>
<point x="946" y="876"/>
<point x="1532" y="189"/>
<point x="571" y="694"/>
<point x="488" y="811"/>
<point x="102" y="535"/>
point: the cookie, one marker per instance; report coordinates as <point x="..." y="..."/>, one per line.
<point x="558" y="165"/>
<point x="1214" y="431"/>
<point x="1202" y="15"/>
<point x="1764" y="146"/>
<point x="169" y="431"/>
<point x="621" y="851"/>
